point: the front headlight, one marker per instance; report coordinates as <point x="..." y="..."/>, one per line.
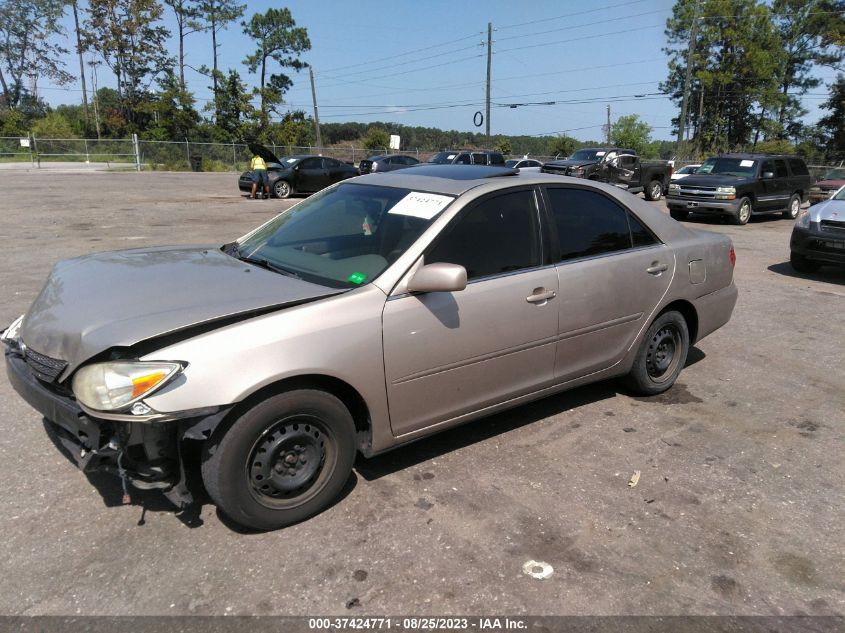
<point x="803" y="220"/>
<point x="114" y="385"/>
<point x="12" y="332"/>
<point x="725" y="193"/>
<point x="674" y="187"/>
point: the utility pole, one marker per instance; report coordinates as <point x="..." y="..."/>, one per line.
<point x="489" y="61"/>
<point x="682" y="122"/>
<point x="608" y="124"/>
<point x="94" y="88"/>
<point x="316" y="114"/>
<point x="81" y="65"/>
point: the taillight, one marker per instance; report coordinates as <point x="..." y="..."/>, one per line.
<point x="733" y="257"/>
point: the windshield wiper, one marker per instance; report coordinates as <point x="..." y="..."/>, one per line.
<point x="263" y="263"/>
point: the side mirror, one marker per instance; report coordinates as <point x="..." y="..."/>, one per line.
<point x="438" y="277"/>
<point x="768" y="174"/>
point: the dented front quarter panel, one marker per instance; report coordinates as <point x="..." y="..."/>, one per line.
<point x="338" y="337"/>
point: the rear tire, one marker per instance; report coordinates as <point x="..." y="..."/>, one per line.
<point x="282" y="461"/>
<point x="743" y="212"/>
<point x="801" y="264"/>
<point x="794" y="207"/>
<point x="679" y="214"/>
<point x="282" y="189"/>
<point x="654" y="190"/>
<point x="661" y="357"/>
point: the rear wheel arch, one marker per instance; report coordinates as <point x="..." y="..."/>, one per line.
<point x="689" y="313"/>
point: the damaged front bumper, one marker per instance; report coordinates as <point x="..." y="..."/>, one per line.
<point x="145" y="453"/>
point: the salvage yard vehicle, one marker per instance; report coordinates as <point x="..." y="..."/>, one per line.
<point x="467" y="157"/>
<point x="827" y="185"/>
<point x="620" y="167"/>
<point x="372" y="314"/>
<point x="683" y="172"/>
<point x="297" y="174"/>
<point x="738" y="186"/>
<point x="387" y="162"/>
<point x="818" y="236"/>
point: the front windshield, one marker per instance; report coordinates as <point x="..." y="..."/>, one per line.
<point x="839" y="195"/>
<point x="443" y="158"/>
<point x="728" y="166"/>
<point x="587" y="154"/>
<point x="345" y="236"/>
<point x="835" y="174"/>
<point x="689" y="169"/>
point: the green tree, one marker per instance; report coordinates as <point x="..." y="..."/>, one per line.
<point x="172" y="112"/>
<point x="809" y="31"/>
<point x="294" y="130"/>
<point x="53" y="125"/>
<point x="631" y="133"/>
<point x="279" y="40"/>
<point x="233" y="107"/>
<point x="377" y="139"/>
<point x="736" y="57"/>
<point x="561" y="146"/>
<point x="504" y="146"/>
<point x="28" y="29"/>
<point x="832" y="126"/>
<point x="217" y="15"/>
<point x="187" y="14"/>
<point x="126" y="35"/>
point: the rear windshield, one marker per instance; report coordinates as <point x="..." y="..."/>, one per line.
<point x="835" y="174"/>
<point x="345" y="236"/>
<point x="511" y="163"/>
<point x="443" y="158"/>
<point x="728" y="166"/>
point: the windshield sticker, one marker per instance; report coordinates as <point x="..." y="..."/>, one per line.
<point x="451" y="156"/>
<point x="291" y="160"/>
<point x="421" y="205"/>
<point x="746" y="163"/>
<point x="357" y="278"/>
<point x="600" y="153"/>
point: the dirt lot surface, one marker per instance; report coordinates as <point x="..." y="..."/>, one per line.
<point x="739" y="508"/>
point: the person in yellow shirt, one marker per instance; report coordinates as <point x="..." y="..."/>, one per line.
<point x="259" y="176"/>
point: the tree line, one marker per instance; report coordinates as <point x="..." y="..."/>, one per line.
<point x="750" y="64"/>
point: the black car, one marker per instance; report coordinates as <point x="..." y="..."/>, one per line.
<point x="388" y="162"/>
<point x="468" y="157"/>
<point x="297" y="174"/>
<point x="741" y="185"/>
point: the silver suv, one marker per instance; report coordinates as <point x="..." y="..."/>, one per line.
<point x="381" y="310"/>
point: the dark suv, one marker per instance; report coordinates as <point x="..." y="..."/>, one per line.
<point x="468" y="157"/>
<point x="742" y="185"/>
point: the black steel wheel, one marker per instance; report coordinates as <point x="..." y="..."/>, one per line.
<point x="282" y="461"/>
<point x="661" y="355"/>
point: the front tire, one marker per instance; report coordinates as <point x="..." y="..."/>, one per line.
<point x="282" y="461"/>
<point x="801" y="264"/>
<point x="661" y="357"/>
<point x="794" y="207"/>
<point x="743" y="212"/>
<point x="654" y="191"/>
<point x="282" y="188"/>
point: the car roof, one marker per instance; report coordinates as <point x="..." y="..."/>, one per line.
<point x="447" y="179"/>
<point x="755" y="156"/>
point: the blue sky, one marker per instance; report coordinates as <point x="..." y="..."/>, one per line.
<point x="423" y="63"/>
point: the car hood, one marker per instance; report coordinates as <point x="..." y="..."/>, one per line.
<point x="570" y="163"/>
<point x="713" y="180"/>
<point x="829" y="185"/>
<point x="117" y="299"/>
<point x="828" y="210"/>
<point x="259" y="150"/>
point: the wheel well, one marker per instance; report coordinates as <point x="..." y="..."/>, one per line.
<point x="343" y="391"/>
<point x="687" y="310"/>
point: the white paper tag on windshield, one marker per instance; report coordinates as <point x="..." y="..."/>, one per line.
<point x="600" y="153"/>
<point x="746" y="163"/>
<point x="421" y="205"/>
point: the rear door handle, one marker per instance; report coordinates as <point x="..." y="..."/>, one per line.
<point x="540" y="295"/>
<point x="656" y="269"/>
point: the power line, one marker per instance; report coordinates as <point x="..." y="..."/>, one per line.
<point x="578" y="39"/>
<point x="570" y="15"/>
<point x="578" y="26"/>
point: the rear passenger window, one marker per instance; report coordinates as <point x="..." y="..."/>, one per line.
<point x="798" y="167"/>
<point x="640" y="235"/>
<point x="588" y="223"/>
<point x="462" y="159"/>
<point x="780" y="169"/>
<point x="479" y="159"/>
<point x="499" y="235"/>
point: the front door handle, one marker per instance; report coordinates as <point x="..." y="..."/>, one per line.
<point x="540" y="295"/>
<point x="657" y="269"/>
